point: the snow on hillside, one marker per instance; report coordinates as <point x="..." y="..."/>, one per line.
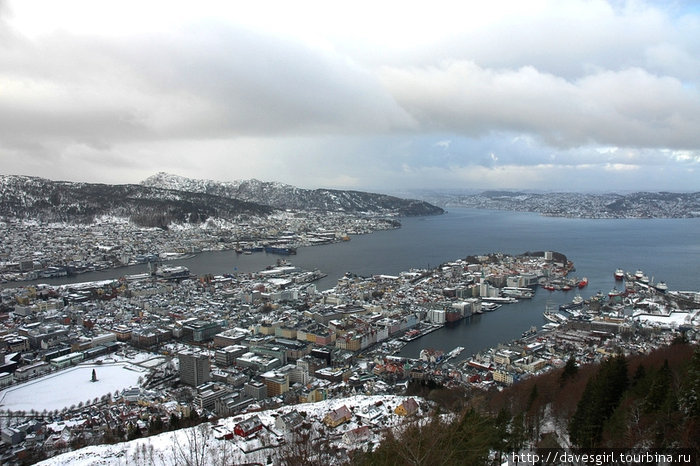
<point x="207" y="442"/>
<point x="284" y="196"/>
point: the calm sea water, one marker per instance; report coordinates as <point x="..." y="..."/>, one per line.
<point x="666" y="249"/>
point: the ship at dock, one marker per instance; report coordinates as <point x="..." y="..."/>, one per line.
<point x="172" y="273"/>
<point x="490" y="307"/>
<point x="284" y="250"/>
<point x="517" y="292"/>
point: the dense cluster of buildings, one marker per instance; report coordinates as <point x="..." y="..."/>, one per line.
<point x="579" y="205"/>
<point x="32" y="250"/>
<point x="225" y="345"/>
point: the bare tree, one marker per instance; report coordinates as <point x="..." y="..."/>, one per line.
<point x="302" y="448"/>
<point x="192" y="451"/>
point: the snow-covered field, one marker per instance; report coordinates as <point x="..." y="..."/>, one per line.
<point x="70" y="387"/>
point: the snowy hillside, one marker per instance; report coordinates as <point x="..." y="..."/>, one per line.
<point x="283" y="196"/>
<point x="216" y="444"/>
<point x="63" y="201"/>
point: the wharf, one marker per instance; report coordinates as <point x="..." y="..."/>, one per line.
<point x="416" y="334"/>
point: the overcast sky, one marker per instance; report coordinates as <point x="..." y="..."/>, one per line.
<point x="382" y="96"/>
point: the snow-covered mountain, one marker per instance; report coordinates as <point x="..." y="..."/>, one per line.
<point x="64" y="201"/>
<point x="283" y="196"/>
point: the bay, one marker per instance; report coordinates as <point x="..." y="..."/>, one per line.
<point x="666" y="249"/>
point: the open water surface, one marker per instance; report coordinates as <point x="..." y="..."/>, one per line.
<point x="666" y="249"/>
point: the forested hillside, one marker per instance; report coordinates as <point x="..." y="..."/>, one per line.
<point x="650" y="401"/>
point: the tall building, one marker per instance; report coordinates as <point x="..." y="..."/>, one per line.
<point x="194" y="368"/>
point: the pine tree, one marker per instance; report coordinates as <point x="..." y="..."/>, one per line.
<point x="689" y="399"/>
<point x="570" y="370"/>
<point x="600" y="398"/>
<point x="659" y="389"/>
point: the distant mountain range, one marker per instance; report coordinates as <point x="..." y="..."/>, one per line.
<point x="284" y="196"/>
<point x="582" y="205"/>
<point x="64" y="201"/>
<point x="163" y="199"/>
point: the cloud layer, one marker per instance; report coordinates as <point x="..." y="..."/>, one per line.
<point x="578" y="95"/>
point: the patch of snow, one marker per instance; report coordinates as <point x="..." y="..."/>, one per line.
<point x="70" y="387"/>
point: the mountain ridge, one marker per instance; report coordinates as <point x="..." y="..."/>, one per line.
<point x="164" y="199"/>
<point x="28" y="197"/>
<point x="284" y="196"/>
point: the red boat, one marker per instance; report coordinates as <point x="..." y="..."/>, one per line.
<point x="619" y="274"/>
<point x="583" y="283"/>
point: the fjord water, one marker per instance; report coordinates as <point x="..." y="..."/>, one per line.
<point x="666" y="249"/>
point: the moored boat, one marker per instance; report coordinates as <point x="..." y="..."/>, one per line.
<point x="619" y="274"/>
<point x="489" y="307"/>
<point x="285" y="250"/>
<point x="554" y="317"/>
<point x="661" y="286"/>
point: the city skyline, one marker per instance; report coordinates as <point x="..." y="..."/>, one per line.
<point x="562" y="96"/>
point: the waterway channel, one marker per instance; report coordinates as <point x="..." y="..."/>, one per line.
<point x="666" y="249"/>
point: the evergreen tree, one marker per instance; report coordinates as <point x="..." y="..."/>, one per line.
<point x="598" y="402"/>
<point x="174" y="421"/>
<point x="155" y="425"/>
<point x="689" y="399"/>
<point x="133" y="432"/>
<point x="639" y="374"/>
<point x="659" y="389"/>
<point x="570" y="370"/>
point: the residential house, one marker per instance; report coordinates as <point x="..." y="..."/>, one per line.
<point x="408" y="408"/>
<point x="289" y="422"/>
<point x="248" y="427"/>
<point x="337" y="417"/>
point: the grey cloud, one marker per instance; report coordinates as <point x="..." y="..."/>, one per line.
<point x="260" y="85"/>
<point x="630" y="108"/>
<point x="238" y="102"/>
<point x="211" y="82"/>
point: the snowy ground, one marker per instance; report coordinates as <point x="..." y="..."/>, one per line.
<point x="674" y="320"/>
<point x="70" y="387"/>
<point x="171" y="448"/>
